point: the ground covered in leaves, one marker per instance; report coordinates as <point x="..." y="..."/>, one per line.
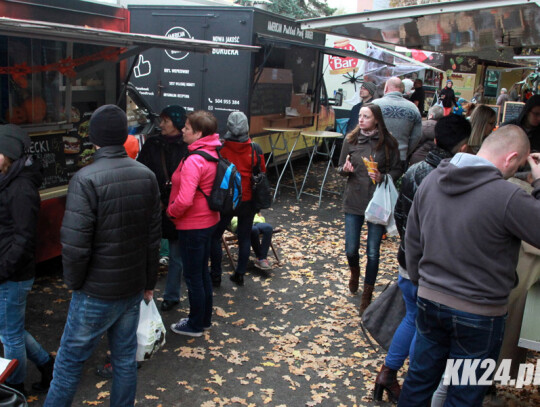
<point x="291" y="338"/>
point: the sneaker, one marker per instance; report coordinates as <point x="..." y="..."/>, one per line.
<point x="182" y="328"/>
<point x="262" y="264"/>
<point x="206" y="328"/>
<point x="164" y="261"/>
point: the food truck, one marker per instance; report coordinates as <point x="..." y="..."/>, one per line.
<point x="281" y="85"/>
<point x="53" y="75"/>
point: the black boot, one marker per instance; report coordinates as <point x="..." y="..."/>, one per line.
<point x="237" y="278"/>
<point x="17" y="386"/>
<point x="46" y="370"/>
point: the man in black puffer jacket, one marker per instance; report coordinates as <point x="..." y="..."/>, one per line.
<point x="110" y="246"/>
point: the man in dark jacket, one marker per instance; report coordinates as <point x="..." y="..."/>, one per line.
<point x="463" y="236"/>
<point x="110" y="246"/>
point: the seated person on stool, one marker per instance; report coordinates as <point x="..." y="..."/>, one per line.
<point x="260" y="245"/>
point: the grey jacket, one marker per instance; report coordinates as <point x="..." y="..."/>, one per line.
<point x="360" y="188"/>
<point x="112" y="227"/>
<point x="463" y="235"/>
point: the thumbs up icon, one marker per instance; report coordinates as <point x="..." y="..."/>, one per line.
<point x="143" y="68"/>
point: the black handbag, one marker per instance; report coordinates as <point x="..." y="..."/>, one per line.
<point x="383" y="316"/>
<point x="11" y="398"/>
<point x="260" y="187"/>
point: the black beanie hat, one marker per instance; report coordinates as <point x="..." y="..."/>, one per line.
<point x="108" y="126"/>
<point x="13" y="141"/>
<point x="451" y="130"/>
<point x="177" y="114"/>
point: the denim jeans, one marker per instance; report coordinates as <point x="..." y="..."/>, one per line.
<point x="353" y="228"/>
<point x="195" y="251"/>
<point x="404" y="337"/>
<point x="88" y="319"/>
<point x="261" y="245"/>
<point x="18" y="343"/>
<point x="174" y="274"/>
<point x="446" y="333"/>
<point x="245" y="213"/>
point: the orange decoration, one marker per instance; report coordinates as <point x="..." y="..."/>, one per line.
<point x="17" y="115"/>
<point x="36" y="109"/>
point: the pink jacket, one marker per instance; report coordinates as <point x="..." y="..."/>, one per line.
<point x="188" y="208"/>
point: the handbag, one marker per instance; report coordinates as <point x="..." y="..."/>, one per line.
<point x="260" y="187"/>
<point x="150" y="332"/>
<point x="383" y="316"/>
<point x="381" y="206"/>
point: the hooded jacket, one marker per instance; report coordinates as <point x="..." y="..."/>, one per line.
<point x="188" y="207"/>
<point x="111" y="230"/>
<point x="19" y="209"/>
<point x="463" y="235"/>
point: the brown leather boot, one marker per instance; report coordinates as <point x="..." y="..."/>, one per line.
<point x="353" y="280"/>
<point x="387" y="380"/>
<point x="366" y="297"/>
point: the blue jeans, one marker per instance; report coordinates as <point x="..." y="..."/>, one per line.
<point x="18" y="343"/>
<point x="195" y="251"/>
<point x="404" y="337"/>
<point x="88" y="319"/>
<point x="446" y="333"/>
<point x="245" y="213"/>
<point x="174" y="274"/>
<point x="261" y="246"/>
<point x="353" y="228"/>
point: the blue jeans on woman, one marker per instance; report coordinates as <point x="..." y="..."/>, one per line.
<point x="261" y="245"/>
<point x="195" y="252"/>
<point x="18" y="343"/>
<point x="447" y="333"/>
<point x="405" y="335"/>
<point x="245" y="214"/>
<point x="353" y="228"/>
<point x="174" y="273"/>
<point x="88" y="319"/>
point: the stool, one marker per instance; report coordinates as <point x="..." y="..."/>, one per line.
<point x="234" y="238"/>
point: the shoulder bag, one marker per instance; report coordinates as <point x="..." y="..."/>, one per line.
<point x="260" y="187"/>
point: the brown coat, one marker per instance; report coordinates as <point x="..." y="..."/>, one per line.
<point x="360" y="188"/>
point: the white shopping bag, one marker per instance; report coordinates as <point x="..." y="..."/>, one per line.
<point x="150" y="332"/>
<point x="381" y="207"/>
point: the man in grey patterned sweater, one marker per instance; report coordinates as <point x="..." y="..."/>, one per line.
<point x="401" y="117"/>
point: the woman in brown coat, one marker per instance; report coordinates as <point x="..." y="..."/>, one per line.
<point x="370" y="138"/>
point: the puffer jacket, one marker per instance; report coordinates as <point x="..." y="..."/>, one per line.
<point x="188" y="207"/>
<point x="360" y="188"/>
<point x="174" y="149"/>
<point x="111" y="230"/>
<point x="19" y="208"/>
<point x="409" y="185"/>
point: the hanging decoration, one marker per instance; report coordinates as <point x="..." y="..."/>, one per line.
<point x="65" y="66"/>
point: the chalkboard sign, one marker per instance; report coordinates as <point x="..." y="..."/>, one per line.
<point x="49" y="149"/>
<point x="512" y="110"/>
<point x="270" y="98"/>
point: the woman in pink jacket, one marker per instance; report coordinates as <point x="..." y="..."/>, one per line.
<point x="195" y="222"/>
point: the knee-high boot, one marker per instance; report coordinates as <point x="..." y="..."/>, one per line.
<point x="353" y="280"/>
<point x="366" y="297"/>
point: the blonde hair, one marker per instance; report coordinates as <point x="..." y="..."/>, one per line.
<point x="480" y="118"/>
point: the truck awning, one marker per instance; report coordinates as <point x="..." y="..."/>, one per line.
<point x="343" y="53"/>
<point x="489" y="29"/>
<point x="106" y="38"/>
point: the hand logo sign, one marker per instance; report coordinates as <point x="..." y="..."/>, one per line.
<point x="143" y="68"/>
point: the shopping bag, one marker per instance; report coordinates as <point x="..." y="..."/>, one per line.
<point x="381" y="206"/>
<point x="150" y="332"/>
<point x="383" y="316"/>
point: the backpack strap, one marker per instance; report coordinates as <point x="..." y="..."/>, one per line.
<point x="255" y="152"/>
<point x="207" y="157"/>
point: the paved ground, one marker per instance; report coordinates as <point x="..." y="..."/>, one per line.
<point x="290" y="339"/>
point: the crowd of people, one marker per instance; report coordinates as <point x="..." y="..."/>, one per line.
<point x="460" y="225"/>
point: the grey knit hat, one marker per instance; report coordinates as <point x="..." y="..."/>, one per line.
<point x="13" y="141"/>
<point x="238" y="128"/>
<point x="370" y="87"/>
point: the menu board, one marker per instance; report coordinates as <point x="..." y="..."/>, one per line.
<point x="270" y="98"/>
<point x="49" y="149"/>
<point x="512" y="110"/>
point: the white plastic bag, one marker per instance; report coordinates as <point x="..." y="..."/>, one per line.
<point x="381" y="206"/>
<point x="150" y="332"/>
